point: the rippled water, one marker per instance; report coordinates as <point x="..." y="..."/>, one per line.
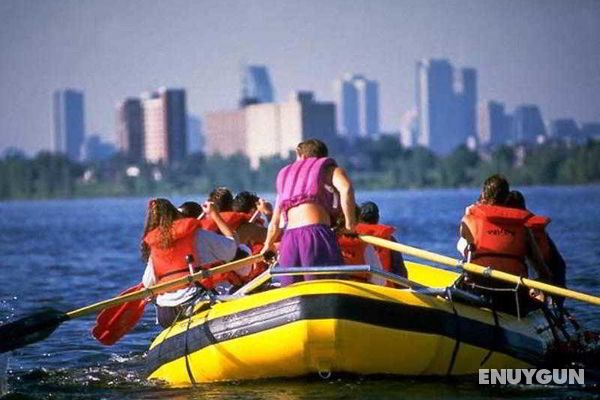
<point x="66" y="254"/>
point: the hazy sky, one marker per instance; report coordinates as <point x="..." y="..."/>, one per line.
<point x="545" y="52"/>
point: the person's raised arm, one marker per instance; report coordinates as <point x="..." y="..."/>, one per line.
<point x="273" y="231"/>
<point x="265" y="208"/>
<point x="343" y="185"/>
<point x="210" y="210"/>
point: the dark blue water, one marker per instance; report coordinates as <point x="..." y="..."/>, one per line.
<point x="67" y="254"/>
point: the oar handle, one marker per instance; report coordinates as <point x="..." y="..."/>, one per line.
<point x="254" y="216"/>
<point x="479" y="270"/>
<point x="163" y="287"/>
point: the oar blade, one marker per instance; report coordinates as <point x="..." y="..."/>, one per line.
<point x="115" y="322"/>
<point x="30" y="329"/>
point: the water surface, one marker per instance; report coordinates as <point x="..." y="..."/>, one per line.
<point x="70" y="253"/>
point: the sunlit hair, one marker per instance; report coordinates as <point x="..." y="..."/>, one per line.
<point x="495" y="190"/>
<point x="160" y="214"/>
<point x="312" y="148"/>
<point x="245" y="202"/>
<point x="222" y="198"/>
<point x="515" y="199"/>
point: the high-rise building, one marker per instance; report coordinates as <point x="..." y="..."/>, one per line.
<point x="165" y="126"/>
<point x="256" y="86"/>
<point x="446" y="105"/>
<point x="435" y="105"/>
<point x="467" y="103"/>
<point x="69" y="126"/>
<point x="565" y="128"/>
<point x="494" y="127"/>
<point x="346" y="99"/>
<point x="276" y="129"/>
<point x="357" y="100"/>
<point x="130" y="128"/>
<point x="263" y="130"/>
<point x="527" y="124"/>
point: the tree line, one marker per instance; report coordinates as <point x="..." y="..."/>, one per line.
<point x="372" y="164"/>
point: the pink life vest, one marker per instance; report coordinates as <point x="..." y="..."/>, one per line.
<point x="303" y="181"/>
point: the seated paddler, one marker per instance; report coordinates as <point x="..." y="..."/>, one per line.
<point x="168" y="238"/>
<point x="549" y="251"/>
<point x="369" y="224"/>
<point x="310" y="193"/>
<point x="497" y="236"/>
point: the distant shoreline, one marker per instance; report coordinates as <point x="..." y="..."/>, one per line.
<point x="270" y="194"/>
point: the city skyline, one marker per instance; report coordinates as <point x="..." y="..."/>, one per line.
<point x="542" y="53"/>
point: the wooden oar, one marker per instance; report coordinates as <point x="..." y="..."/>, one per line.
<point x="479" y="270"/>
<point x="39" y="325"/>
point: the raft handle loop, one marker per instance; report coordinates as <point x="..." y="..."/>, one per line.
<point x="324" y="374"/>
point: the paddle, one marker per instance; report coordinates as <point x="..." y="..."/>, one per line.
<point x="479" y="270"/>
<point x="115" y="322"/>
<point x="39" y="325"/>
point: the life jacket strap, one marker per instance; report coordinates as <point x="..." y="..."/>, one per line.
<point x="176" y="271"/>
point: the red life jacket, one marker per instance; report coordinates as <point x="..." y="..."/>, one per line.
<point x="257" y="268"/>
<point x="353" y="253"/>
<point x="537" y="224"/>
<point x="233" y="219"/>
<point x="499" y="235"/>
<point x="169" y="263"/>
<point x="380" y="231"/>
<point x="353" y="250"/>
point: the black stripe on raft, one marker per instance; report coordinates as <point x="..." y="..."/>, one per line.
<point x="346" y="307"/>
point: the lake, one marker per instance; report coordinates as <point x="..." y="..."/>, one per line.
<point x="69" y="253"/>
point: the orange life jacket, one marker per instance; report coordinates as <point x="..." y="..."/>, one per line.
<point x="257" y="268"/>
<point x="380" y="231"/>
<point x="169" y="263"/>
<point x="352" y="249"/>
<point x="353" y="253"/>
<point x="233" y="219"/>
<point x="537" y="224"/>
<point x="499" y="235"/>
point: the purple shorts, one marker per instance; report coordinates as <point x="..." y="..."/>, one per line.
<point x="308" y="246"/>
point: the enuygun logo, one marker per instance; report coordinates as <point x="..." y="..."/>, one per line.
<point x="531" y="377"/>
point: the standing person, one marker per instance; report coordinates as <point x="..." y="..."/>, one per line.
<point x="368" y="224"/>
<point x="168" y="238"/>
<point x="310" y="192"/>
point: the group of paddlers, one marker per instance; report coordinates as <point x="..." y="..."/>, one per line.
<point x="315" y="222"/>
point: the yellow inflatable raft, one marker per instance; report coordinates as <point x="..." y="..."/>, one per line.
<point x="342" y="326"/>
